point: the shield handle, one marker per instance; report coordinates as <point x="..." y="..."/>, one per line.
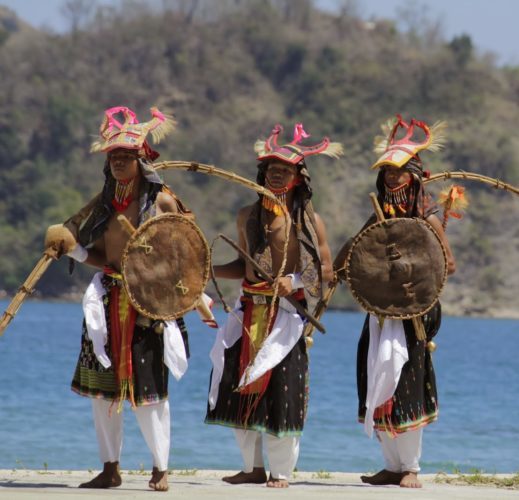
<point x="126" y="224"/>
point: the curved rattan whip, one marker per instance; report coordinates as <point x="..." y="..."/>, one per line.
<point x="470" y="176"/>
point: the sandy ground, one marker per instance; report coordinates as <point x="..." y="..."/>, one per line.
<point x="207" y="485"/>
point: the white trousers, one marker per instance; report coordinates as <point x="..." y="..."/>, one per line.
<point x="154" y="422"/>
<point x="402" y="453"/>
<point x="282" y="453"/>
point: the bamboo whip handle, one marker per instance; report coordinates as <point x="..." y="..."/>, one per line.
<point x="204" y="309"/>
<point x="25" y="289"/>
<point x="376" y="206"/>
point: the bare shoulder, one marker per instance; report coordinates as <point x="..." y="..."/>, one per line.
<point x="319" y="223"/>
<point x="244" y="213"/>
<point x="318" y="218"/>
<point x="166" y="202"/>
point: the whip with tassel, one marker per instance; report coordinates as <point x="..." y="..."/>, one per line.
<point x="453" y="200"/>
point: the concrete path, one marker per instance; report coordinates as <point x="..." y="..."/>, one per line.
<point x="207" y="485"/>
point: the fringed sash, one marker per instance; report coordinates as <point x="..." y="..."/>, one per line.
<point x="255" y="330"/>
<point x="256" y="302"/>
<point x="122" y="323"/>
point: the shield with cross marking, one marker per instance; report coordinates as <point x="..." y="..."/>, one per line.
<point x="397" y="268"/>
<point x="165" y="266"/>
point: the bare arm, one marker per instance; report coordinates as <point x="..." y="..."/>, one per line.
<point x="324" y="249"/>
<point x="436" y="224"/>
<point x="340" y="259"/>
<point x="236" y="268"/>
<point x="96" y="254"/>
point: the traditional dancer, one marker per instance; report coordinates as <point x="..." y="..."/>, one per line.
<point x="259" y="382"/>
<point x="123" y="354"/>
<point x="395" y="376"/>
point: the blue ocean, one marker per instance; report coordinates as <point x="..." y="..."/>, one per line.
<point x="43" y="424"/>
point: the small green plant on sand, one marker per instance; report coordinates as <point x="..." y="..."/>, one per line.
<point x="139" y="472"/>
<point x="322" y="474"/>
<point x="478" y="478"/>
<point x="185" y="472"/>
<point x="45" y="469"/>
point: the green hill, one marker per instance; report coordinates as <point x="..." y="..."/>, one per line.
<point x="230" y="70"/>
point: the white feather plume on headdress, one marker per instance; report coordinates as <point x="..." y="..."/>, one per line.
<point x="438" y="138"/>
<point x="334" y="150"/>
<point x="381" y="142"/>
<point x="160" y="125"/>
<point x="259" y="147"/>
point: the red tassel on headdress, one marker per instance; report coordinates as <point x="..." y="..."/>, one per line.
<point x="149" y="153"/>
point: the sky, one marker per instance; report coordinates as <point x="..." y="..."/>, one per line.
<point x="492" y="24"/>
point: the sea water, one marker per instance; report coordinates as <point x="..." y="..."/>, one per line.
<point x="43" y="424"/>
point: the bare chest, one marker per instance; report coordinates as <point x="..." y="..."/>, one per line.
<point x="116" y="237"/>
<point x="281" y="238"/>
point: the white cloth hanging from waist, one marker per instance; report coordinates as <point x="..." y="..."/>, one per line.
<point x="175" y="356"/>
<point x="387" y="354"/>
<point x="286" y="331"/>
<point x="95" y="318"/>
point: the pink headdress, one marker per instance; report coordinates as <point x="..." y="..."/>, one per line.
<point x="293" y="153"/>
<point x="129" y="133"/>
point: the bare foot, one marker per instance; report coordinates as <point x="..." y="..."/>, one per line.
<point x="257" y="476"/>
<point x="383" y="477"/>
<point x="159" y="480"/>
<point x="410" y="480"/>
<point x="276" y="483"/>
<point x="109" y="478"/>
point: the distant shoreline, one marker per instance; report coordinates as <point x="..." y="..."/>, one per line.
<point x="448" y="309"/>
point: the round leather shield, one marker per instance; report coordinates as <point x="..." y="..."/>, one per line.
<point x="165" y="266"/>
<point x="397" y="268"/>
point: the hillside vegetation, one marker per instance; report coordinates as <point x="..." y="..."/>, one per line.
<point x="230" y="70"/>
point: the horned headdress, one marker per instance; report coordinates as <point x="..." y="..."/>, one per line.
<point x="398" y="151"/>
<point x="129" y="133"/>
<point x="293" y="152"/>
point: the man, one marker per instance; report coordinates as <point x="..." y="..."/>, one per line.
<point x="399" y="420"/>
<point x="259" y="383"/>
<point x="122" y="352"/>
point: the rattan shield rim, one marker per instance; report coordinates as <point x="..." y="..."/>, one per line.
<point x="138" y="232"/>
<point x="367" y="306"/>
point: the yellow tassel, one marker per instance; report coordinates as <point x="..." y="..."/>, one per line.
<point x="453" y="200"/>
<point x="419" y="329"/>
<point x="123" y="391"/>
<point x="272" y="206"/>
